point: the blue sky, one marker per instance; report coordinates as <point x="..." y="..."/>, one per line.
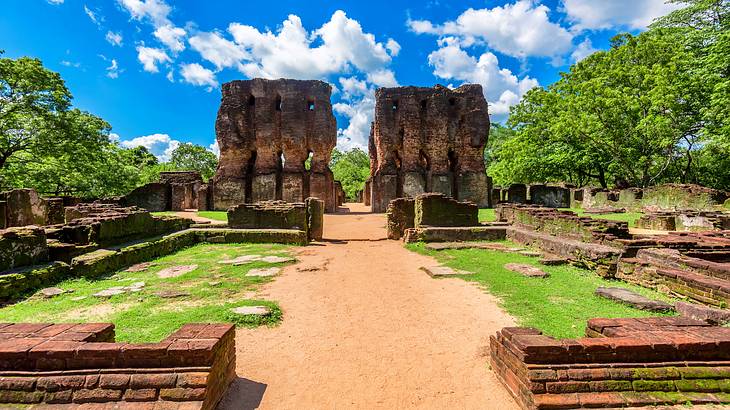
<point x="153" y="68"/>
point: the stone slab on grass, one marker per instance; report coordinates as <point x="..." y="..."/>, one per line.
<point x="252" y="310"/>
<point x="241" y="259"/>
<point x="550" y="260"/>
<point x="526" y="270"/>
<point x="51" y="292"/>
<point x="140" y="267"/>
<point x="171" y="294"/>
<point x="443" y="271"/>
<point x="118" y="290"/>
<point x="633" y="299"/>
<point x="277" y="259"/>
<point x="708" y="314"/>
<point x="263" y="272"/>
<point x="175" y="271"/>
<point x="442" y="246"/>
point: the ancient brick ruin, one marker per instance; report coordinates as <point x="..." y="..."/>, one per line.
<point x="57" y="364"/>
<point x="275" y="139"/>
<point x="304" y="216"/>
<point x="621" y="363"/>
<point x="428" y="140"/>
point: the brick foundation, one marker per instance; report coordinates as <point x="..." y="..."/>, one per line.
<point x="81" y="363"/>
<point x="628" y="362"/>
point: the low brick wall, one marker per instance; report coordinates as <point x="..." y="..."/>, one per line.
<point x="400" y="216"/>
<point x="16" y="284"/>
<point x="455" y="234"/>
<point x="629" y="362"/>
<point x="81" y="363"/>
<point x="268" y="214"/>
<point x="434" y="209"/>
<point x="602" y="259"/>
<point x="686" y="220"/>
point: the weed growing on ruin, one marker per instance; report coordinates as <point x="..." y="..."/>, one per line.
<point x="558" y="305"/>
<point x="163" y="304"/>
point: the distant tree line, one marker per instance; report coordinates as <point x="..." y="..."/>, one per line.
<point x="653" y="108"/>
<point x="48" y="145"/>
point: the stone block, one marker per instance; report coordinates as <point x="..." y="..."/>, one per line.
<point x="439" y="210"/>
<point x="517" y="194"/>
<point x="384" y="189"/>
<point x="154" y="197"/>
<point x="227" y="192"/>
<point x="414" y="184"/>
<point x="264" y="188"/>
<point x="268" y="215"/>
<point x="442" y="184"/>
<point x="474" y="187"/>
<point x="24" y="207"/>
<point x="292" y="187"/>
<point x="550" y="196"/>
<point x="400" y="216"/>
<point x="22" y="246"/>
<point x="315" y="218"/>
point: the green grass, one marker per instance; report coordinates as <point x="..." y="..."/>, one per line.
<point x="559" y="305"/>
<point x="215" y="215"/>
<point x="146" y="317"/>
<point x="163" y="213"/>
<point x="630" y="217"/>
<point x="487" y="215"/>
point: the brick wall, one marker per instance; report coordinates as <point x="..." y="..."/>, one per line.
<point x="81" y="363"/>
<point x="627" y="362"/>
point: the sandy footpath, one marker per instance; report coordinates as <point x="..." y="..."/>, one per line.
<point x="365" y="328"/>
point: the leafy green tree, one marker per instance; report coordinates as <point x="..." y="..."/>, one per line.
<point x="142" y="157"/>
<point x="33" y="101"/>
<point x="194" y="157"/>
<point x="351" y="168"/>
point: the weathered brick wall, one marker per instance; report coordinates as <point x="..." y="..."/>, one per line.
<point x="627" y="362"/>
<point x="81" y="363"/>
<point x="154" y="197"/>
<point x="550" y="196"/>
<point x="429" y="140"/>
<point x="436" y="209"/>
<point x="266" y="130"/>
<point x="268" y="214"/>
<point x="22" y="246"/>
<point x="315" y="218"/>
<point x="400" y="215"/>
<point x="684" y="220"/>
<point x="563" y="223"/>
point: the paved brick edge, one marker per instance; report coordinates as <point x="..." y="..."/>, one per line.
<point x="678" y="361"/>
<point x="80" y="363"/>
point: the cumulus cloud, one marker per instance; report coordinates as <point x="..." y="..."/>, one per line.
<point x="501" y="87"/>
<point x="521" y="30"/>
<point x="156" y="11"/>
<point x="150" y="57"/>
<point x="160" y="145"/>
<point x="172" y="37"/>
<point x="214" y="148"/>
<point x="216" y="49"/>
<point x="357" y="105"/>
<point x="196" y="74"/>
<point x="598" y="15"/>
<point x="583" y="50"/>
<point x="113" y="38"/>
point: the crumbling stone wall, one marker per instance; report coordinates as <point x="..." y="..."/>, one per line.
<point x="184" y="188"/>
<point x="429" y="140"/>
<point x="315" y="218"/>
<point x="266" y="131"/>
<point x="401" y="216"/>
<point x="684" y="220"/>
<point x="550" y="196"/>
<point x="435" y="209"/>
<point x="22" y="246"/>
<point x="268" y="215"/>
<point x="154" y="197"/>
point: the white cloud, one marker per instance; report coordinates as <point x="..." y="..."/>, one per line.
<point x="150" y="57"/>
<point x="597" y="15"/>
<point x="172" y="37"/>
<point x="214" y="148"/>
<point x="198" y="75"/>
<point x="92" y="15"/>
<point x="341" y="46"/>
<point x="156" y="11"/>
<point x="113" y="137"/>
<point x="216" y="49"/>
<point x="113" y="70"/>
<point x="502" y="89"/>
<point x="55" y="2"/>
<point x="67" y="63"/>
<point x="113" y="38"/>
<point x="382" y="78"/>
<point x="393" y="47"/>
<point x="357" y="105"/>
<point x="521" y="30"/>
<point x="161" y="145"/>
<point x="583" y="50"/>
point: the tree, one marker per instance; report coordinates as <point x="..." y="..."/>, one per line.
<point x="33" y="101"/>
<point x="351" y="168"/>
<point x="194" y="158"/>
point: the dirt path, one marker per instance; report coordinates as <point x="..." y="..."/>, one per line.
<point x="368" y="330"/>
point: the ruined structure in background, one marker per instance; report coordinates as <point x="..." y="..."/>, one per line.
<point x="307" y="216"/>
<point x="429" y="140"/>
<point x="22" y="207"/>
<point x="175" y="191"/>
<point x="276" y="138"/>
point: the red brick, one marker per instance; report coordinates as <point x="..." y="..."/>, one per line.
<point x="567" y="387"/>
<point x="94" y="328"/>
<point x="25" y="328"/>
<point x="140" y="395"/>
<point x="556" y="401"/>
<point x="610" y="385"/>
<point x="114" y="381"/>
<point x="92" y="381"/>
<point x="58" y="397"/>
<point x="198" y="379"/>
<point x="217" y="330"/>
<point x="182" y="394"/>
<point x="96" y="395"/>
<point x="601" y="400"/>
<point x="75" y="336"/>
<point x="144" y="381"/>
<point x="55" y="349"/>
<point x="56" y="383"/>
<point x="53" y="330"/>
<point x="17" y="383"/>
<point x="14" y="348"/>
<point x="100" y="349"/>
<point x="187" y="331"/>
<point x="23" y="397"/>
<point x="588" y="374"/>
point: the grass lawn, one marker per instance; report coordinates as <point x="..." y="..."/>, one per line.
<point x="487" y="215"/>
<point x="216" y="215"/>
<point x="146" y="317"/>
<point x="559" y="305"/>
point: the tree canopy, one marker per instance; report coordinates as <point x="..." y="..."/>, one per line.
<point x="653" y="108"/>
<point x="351" y="168"/>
